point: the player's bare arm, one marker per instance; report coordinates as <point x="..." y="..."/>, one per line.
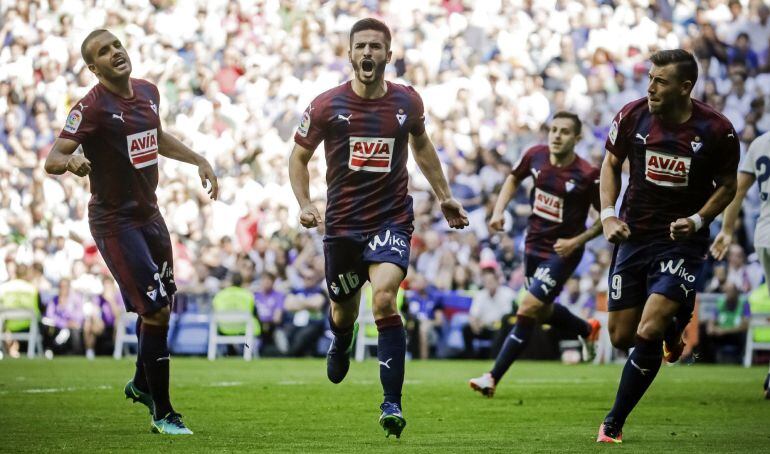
<point x="509" y="188"/>
<point x="299" y="176"/>
<point x="724" y="194"/>
<point x="567" y="246"/>
<point x="428" y="162"/>
<point x="62" y="158"/>
<point x="615" y="230"/>
<point x="173" y="148"/>
<point x="725" y="235"/>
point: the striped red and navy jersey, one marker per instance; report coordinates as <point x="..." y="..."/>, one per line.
<point x="673" y="169"/>
<point x="365" y="142"/>
<point x="560" y="198"/>
<point x="120" y="138"/>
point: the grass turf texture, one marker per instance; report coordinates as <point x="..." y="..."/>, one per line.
<point x="289" y="406"/>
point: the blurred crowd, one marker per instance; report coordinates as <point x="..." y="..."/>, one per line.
<point x="235" y="76"/>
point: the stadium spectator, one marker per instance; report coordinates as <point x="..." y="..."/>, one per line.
<point x="490" y="304"/>
<point x="269" y="308"/>
<point x="425" y="316"/>
<point x="726" y="330"/>
<point x="305" y="310"/>
<point x="63" y="321"/>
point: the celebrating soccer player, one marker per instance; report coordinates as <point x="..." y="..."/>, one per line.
<point x="365" y="125"/>
<point x="118" y="125"/>
<point x="565" y="188"/>
<point x="683" y="158"/>
<point x="755" y="166"/>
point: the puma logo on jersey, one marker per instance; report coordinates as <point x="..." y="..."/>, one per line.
<point x="686" y="290"/>
<point x="82" y="107"/>
<point x="642" y="138"/>
<point x="400" y="252"/>
<point x="342" y="117"/>
<point x="667" y="170"/>
<point x="535" y="172"/>
<point x="386" y="363"/>
<point x="119" y="117"/>
<point x="641" y="370"/>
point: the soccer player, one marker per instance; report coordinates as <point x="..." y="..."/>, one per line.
<point x="755" y="166"/>
<point x="683" y="157"/>
<point x="118" y="126"/>
<point x="565" y="188"/>
<point x="366" y="124"/>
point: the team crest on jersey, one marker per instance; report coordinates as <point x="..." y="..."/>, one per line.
<point x="667" y="170"/>
<point x="401" y="117"/>
<point x="73" y="121"/>
<point x="143" y="148"/>
<point x="373" y="154"/>
<point x="154" y="107"/>
<point x="696" y="144"/>
<point x="548" y="206"/>
<point x="569" y="185"/>
<point x="304" y="124"/>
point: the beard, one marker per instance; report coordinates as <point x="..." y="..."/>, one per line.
<point x="365" y="66"/>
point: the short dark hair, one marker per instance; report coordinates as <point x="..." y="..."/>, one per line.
<point x="571" y="116"/>
<point x="371" y="23"/>
<point x="686" y="65"/>
<point x="84" y="47"/>
<point x="236" y="278"/>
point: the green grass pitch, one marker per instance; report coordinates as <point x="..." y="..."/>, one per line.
<point x="288" y="406"/>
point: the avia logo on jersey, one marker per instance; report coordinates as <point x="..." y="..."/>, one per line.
<point x="548" y="206"/>
<point x="143" y="148"/>
<point x="666" y="169"/>
<point x="373" y="154"/>
<point x="676" y="270"/>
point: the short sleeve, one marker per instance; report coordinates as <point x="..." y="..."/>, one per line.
<point x="730" y="150"/>
<point x="80" y="124"/>
<point x="310" y="131"/>
<point x="616" y="141"/>
<point x="747" y="163"/>
<point x="521" y="168"/>
<point x="417" y="127"/>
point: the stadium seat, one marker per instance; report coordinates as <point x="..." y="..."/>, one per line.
<point x="367" y="328"/>
<point x="247" y="339"/>
<point x="31" y="336"/>
<point x="757" y="337"/>
<point x="188" y="334"/>
<point x="125" y="333"/>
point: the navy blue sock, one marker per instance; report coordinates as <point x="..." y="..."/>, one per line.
<point x="155" y="357"/>
<point x="563" y="318"/>
<point x="391" y="352"/>
<point x="640" y="370"/>
<point x="514" y="344"/>
<point x="344" y="335"/>
<point x="140" y="380"/>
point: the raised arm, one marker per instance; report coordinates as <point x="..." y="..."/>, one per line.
<point x="62" y="158"/>
<point x="427" y="160"/>
<point x="615" y="230"/>
<point x="724" y="237"/>
<point x="507" y="191"/>
<point x="299" y="176"/>
<point x="172" y="148"/>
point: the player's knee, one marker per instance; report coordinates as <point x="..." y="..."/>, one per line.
<point x="384" y="301"/>
<point x="621" y="338"/>
<point x="651" y="329"/>
<point x="158" y="318"/>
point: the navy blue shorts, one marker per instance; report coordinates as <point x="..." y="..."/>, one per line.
<point x="348" y="258"/>
<point x="545" y="277"/>
<point x="141" y="262"/>
<point x="639" y="269"/>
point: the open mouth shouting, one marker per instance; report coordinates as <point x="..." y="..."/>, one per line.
<point x="367" y="67"/>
